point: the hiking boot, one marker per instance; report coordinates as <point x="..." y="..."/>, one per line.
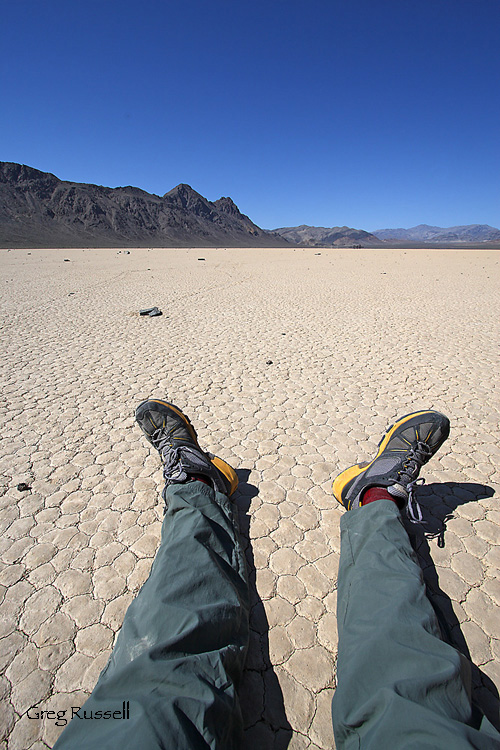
<point x="406" y="446"/>
<point x="174" y="437"/>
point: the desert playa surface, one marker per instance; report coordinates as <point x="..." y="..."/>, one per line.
<point x="290" y="364"/>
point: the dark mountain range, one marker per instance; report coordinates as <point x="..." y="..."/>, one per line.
<point x="327" y="237"/>
<point x="470" y="233"/>
<point x="39" y="210"/>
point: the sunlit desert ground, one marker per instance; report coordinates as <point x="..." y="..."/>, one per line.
<point x="290" y="364"/>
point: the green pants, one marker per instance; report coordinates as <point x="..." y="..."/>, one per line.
<point x="181" y="650"/>
<point x="177" y="660"/>
<point x="399" y="684"/>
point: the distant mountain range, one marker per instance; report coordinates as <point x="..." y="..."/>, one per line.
<point x="425" y="233"/>
<point x="39" y="210"/>
<point x="327" y="237"/>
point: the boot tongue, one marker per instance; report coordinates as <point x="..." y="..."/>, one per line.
<point x="192" y="460"/>
<point x="398" y="490"/>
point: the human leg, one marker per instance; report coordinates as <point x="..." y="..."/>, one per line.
<point x="399" y="684"/>
<point x="180" y="653"/>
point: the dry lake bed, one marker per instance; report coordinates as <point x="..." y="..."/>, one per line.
<point x="290" y="364"/>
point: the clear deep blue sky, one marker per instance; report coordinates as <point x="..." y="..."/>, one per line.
<point x="370" y="113"/>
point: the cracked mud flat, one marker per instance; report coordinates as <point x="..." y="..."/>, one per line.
<point x="356" y="339"/>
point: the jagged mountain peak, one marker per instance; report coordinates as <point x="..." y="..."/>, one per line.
<point x="183" y="189"/>
<point x="227" y="206"/>
<point x="184" y="196"/>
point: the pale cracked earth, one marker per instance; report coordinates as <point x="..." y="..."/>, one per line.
<point x="354" y="340"/>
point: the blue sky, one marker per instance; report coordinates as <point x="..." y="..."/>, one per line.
<point x="369" y="113"/>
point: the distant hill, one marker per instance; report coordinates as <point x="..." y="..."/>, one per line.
<point x="471" y="233"/>
<point x="39" y="210"/>
<point x="327" y="237"/>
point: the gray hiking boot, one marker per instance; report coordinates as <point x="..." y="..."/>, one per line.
<point x="406" y="446"/>
<point x="174" y="437"/>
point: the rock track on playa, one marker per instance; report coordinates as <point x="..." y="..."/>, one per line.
<point x="356" y="338"/>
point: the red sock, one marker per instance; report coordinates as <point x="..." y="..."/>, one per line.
<point x="377" y="493"/>
<point x="200" y="478"/>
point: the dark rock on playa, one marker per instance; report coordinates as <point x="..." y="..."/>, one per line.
<point x="152" y="312"/>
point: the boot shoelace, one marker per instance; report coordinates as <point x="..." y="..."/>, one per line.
<point x="413" y="509"/>
<point x="414" y="461"/>
<point x="172" y="467"/>
<point x="161" y="440"/>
